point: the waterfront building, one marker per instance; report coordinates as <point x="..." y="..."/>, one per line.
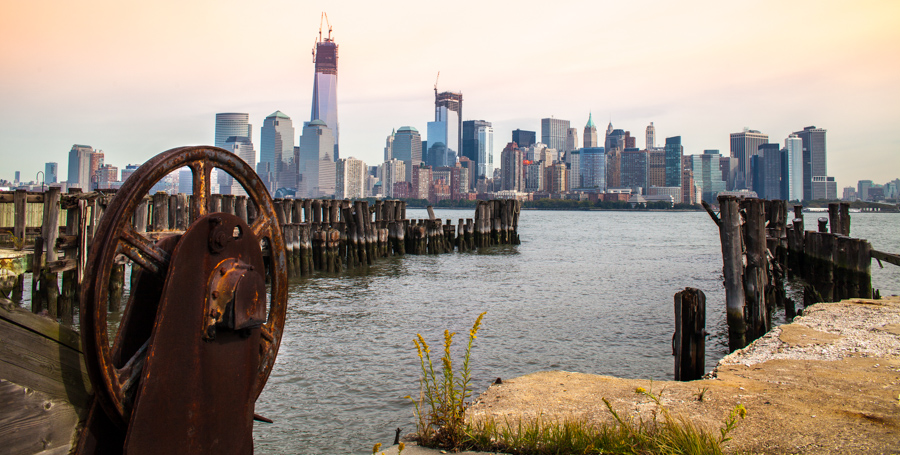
<point x="534" y="176"/>
<point x="449" y="176"/>
<point x="407" y="147"/>
<point x="422" y="182"/>
<point x="478" y="146"/>
<point x="107" y="177"/>
<point x="129" y="169"/>
<point x="523" y="138"/>
<point x="573" y="161"/>
<point x="672" y="191"/>
<point x="825" y="188"/>
<point x="767" y="169"/>
<point x="593" y="175"/>
<point x="656" y="168"/>
<point x="744" y="145"/>
<point x="97" y="161"/>
<point x="350" y="178"/>
<point x="590" y="133"/>
<point x="557" y="178"/>
<point x="51" y="172"/>
<point x="862" y="190"/>
<point x="688" y="189"/>
<point x="316" y="177"/>
<point x="276" y="147"/>
<point x="467" y="174"/>
<point x="708" y="174"/>
<point x="79" y="172"/>
<point x="511" y="173"/>
<point x="673" y="153"/>
<point x="793" y="149"/>
<point x="849" y="194"/>
<point x="814" y="161"/>
<point x="554" y="133"/>
<point x="651" y="137"/>
<point x="635" y="169"/>
<point x="324" y="97"/>
<point x="392" y="171"/>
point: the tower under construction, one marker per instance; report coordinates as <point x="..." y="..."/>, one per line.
<point x="324" y="99"/>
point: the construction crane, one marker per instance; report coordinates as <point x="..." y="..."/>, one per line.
<point x="324" y="19"/>
<point x="435" y="82"/>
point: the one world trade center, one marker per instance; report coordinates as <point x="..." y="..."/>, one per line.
<point x="324" y="99"/>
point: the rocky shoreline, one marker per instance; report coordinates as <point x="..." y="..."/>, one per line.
<point x="829" y="382"/>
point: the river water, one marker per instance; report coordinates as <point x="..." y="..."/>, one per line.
<point x="589" y="292"/>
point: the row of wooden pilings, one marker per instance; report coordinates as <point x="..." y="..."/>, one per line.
<point x="760" y="251"/>
<point x="320" y="235"/>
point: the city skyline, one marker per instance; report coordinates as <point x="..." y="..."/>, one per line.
<point x="135" y="81"/>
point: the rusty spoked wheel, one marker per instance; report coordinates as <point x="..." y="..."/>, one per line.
<point x="115" y="369"/>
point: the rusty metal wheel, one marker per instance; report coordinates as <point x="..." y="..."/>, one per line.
<point x="115" y="369"/>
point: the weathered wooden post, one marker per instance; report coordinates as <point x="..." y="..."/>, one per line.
<point x="215" y="203"/>
<point x="49" y="234"/>
<point x="823" y="224"/>
<point x="863" y="269"/>
<point x="689" y="342"/>
<point x="756" y="270"/>
<point x="305" y="249"/>
<point x="20" y="203"/>
<point x="361" y="214"/>
<point x="732" y="256"/>
<point x="160" y="211"/>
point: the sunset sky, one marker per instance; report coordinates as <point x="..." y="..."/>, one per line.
<point x="137" y="78"/>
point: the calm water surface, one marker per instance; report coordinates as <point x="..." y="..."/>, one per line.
<point x="590" y="292"/>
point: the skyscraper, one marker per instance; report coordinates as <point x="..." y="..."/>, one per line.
<point x="51" y="172"/>
<point x="242" y="147"/>
<point x="350" y="179"/>
<point x="674" y="151"/>
<point x="315" y="163"/>
<point x="635" y="169"/>
<point x="744" y="145"/>
<point x="511" y="173"/>
<point x="79" y="172"/>
<point x="324" y="98"/>
<point x="793" y="147"/>
<point x="554" y="132"/>
<point x="592" y="168"/>
<point x="524" y="138"/>
<point x="232" y="124"/>
<point x="448" y="112"/>
<point x="814" y="163"/>
<point x="408" y="148"/>
<point x="708" y="174"/>
<point x="571" y="140"/>
<point x="478" y="146"/>
<point x="590" y="133"/>
<point x="651" y="136"/>
<point x="276" y="146"/>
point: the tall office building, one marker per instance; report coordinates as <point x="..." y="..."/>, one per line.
<point x="478" y="146"/>
<point x="708" y="174"/>
<point x="744" y="145"/>
<point x="635" y="169"/>
<point x="651" y="136"/>
<point x="232" y="124"/>
<point x="407" y="147"/>
<point x="571" y="140"/>
<point x="814" y="161"/>
<point x="51" y="172"/>
<point x="242" y="147"/>
<point x="276" y="147"/>
<point x="862" y="191"/>
<point x="674" y="151"/>
<point x="79" y="172"/>
<point x="592" y="168"/>
<point x="97" y="161"/>
<point x="590" y="133"/>
<point x="511" y="173"/>
<point x="656" y="168"/>
<point x="392" y="172"/>
<point x="448" y="110"/>
<point x="793" y="148"/>
<point x="524" y="138"/>
<point x="324" y="97"/>
<point x="554" y="133"/>
<point x="350" y="179"/>
<point x="315" y="162"/>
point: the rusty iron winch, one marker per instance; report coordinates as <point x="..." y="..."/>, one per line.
<point x="200" y="331"/>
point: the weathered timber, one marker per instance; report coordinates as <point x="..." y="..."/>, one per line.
<point x="20" y="204"/>
<point x="732" y="256"/>
<point x="756" y="268"/>
<point x="689" y="342"/>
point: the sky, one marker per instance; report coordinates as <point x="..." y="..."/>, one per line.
<point x="137" y="78"/>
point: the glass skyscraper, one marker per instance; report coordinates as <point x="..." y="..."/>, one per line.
<point x="324" y="98"/>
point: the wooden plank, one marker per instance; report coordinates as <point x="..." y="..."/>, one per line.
<point x="886" y="257"/>
<point x="34" y="423"/>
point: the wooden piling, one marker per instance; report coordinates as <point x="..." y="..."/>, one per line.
<point x="756" y="269"/>
<point x="732" y="256"/>
<point x="689" y="342"/>
<point x="160" y="209"/>
<point x="49" y="288"/>
<point x="20" y="204"/>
